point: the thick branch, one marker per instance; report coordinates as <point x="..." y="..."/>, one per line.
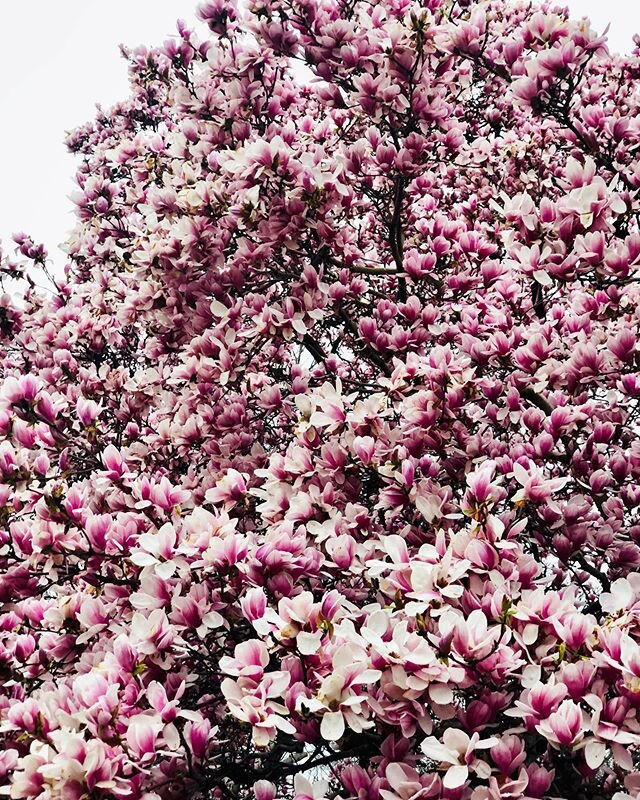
<point x="396" y="236"/>
<point x="377" y="359"/>
<point x="536" y="399"/>
<point x="314" y="348"/>
<point x="587" y="567"/>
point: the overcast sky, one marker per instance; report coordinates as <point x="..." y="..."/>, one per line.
<point x="60" y="57"/>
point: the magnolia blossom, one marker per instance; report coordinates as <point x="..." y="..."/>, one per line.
<point x="565" y="726"/>
<point x="254" y="703"/>
<point x="456" y="754"/>
<point x="157" y="551"/>
<point x="249" y="660"/>
<point x="624" y="594"/>
<point x="534" y="486"/>
<point x="337" y="695"/>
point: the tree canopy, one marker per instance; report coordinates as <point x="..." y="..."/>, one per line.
<point x="320" y="466"/>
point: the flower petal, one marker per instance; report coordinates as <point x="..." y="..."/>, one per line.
<point x="332" y="726"/>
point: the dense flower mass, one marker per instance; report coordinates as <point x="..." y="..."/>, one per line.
<point x="320" y="468"/>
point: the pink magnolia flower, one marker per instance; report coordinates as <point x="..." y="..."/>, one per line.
<point x="88" y="411"/>
<point x="114" y="463"/>
<point x="198" y="734"/>
<point x="254" y="604"/>
<point x="329" y="407"/>
<point x="540" y="701"/>
<point x="142" y="733"/>
<point x="157" y="550"/>
<point x="151" y="633"/>
<point x="535" y="487"/>
<point x="456" y="755"/>
<point x="249" y="660"/>
<point x="473" y="638"/>
<point x="564" y="727"/>
<point x="406" y="783"/>
<point x="255" y="704"/>
<point x="229" y="490"/>
<point x="508" y="754"/>
<point x="305" y="790"/>
<point x="483" y="490"/>
<point x="337" y="696"/>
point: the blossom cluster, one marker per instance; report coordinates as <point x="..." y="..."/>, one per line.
<point x="320" y="467"/>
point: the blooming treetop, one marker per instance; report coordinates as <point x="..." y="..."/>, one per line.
<point x="320" y="469"/>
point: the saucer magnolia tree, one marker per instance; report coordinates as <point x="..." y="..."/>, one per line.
<point x="320" y="469"/>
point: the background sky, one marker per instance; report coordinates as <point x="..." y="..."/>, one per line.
<point x="59" y="58"/>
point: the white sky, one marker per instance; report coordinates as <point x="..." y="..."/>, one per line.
<point x="60" y="57"/>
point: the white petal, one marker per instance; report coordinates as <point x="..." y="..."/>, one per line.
<point x="165" y="570"/>
<point x="422" y="577"/>
<point x="302" y="785"/>
<point x="213" y="620"/>
<point x="440" y="693"/>
<point x="308" y="643"/>
<point x="530" y="633"/>
<point x="396" y="547"/>
<point x="619" y="598"/>
<point x="618" y="206"/>
<point x="368" y="676"/>
<point x="218" y="308"/>
<point x="520" y="474"/>
<point x="455" y="777"/>
<point x="171" y="737"/>
<point x="429" y="506"/>
<point x="141" y="559"/>
<point x="283" y="724"/>
<point x="594" y="753"/>
<point x="543" y="277"/>
<point x="435" y="750"/>
<point x="149" y="542"/>
<point x="531" y="675"/>
<point x="251" y="196"/>
<point x="586" y="220"/>
<point x="332" y="726"/>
